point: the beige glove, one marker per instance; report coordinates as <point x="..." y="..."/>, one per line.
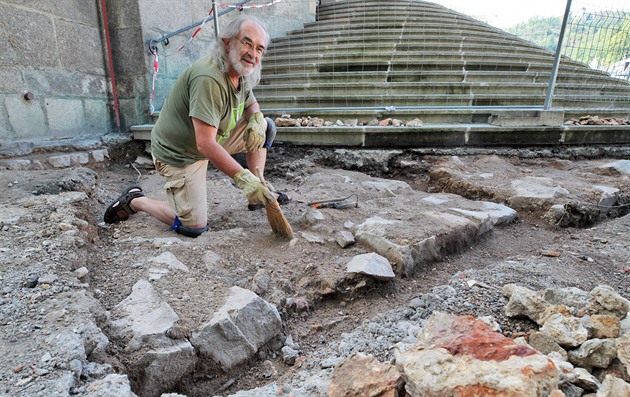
<point x="255" y="191"/>
<point x="269" y="186"/>
<point x="254" y="134"/>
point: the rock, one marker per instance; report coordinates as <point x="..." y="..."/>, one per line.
<point x="312" y="217"/>
<point x="170" y="261"/>
<point x="619" y="167"/>
<point x="613" y="387"/>
<point x="81" y="272"/>
<point x="142" y="318"/>
<point x="32" y="281"/>
<point x="371" y="264"/>
<point x="162" y="368"/>
<point x="112" y="385"/>
<point x="585" y="380"/>
<point x="414" y="123"/>
<point x="142" y="321"/>
<point x="601" y="326"/>
<point x="298" y="305"/>
<point x="238" y="329"/>
<point x="49" y="278"/>
<point x="362" y="375"/>
<point x="455" y="354"/>
<point x="535" y="192"/>
<point x="289" y="355"/>
<point x="605" y="300"/>
<point x="345" y="238"/>
<point x="566" y="331"/>
<point x="524" y="302"/>
<point x="623" y="351"/>
<point x="573" y="298"/>
<point x="261" y="281"/>
<point x="597" y="353"/>
<point x="546" y="344"/>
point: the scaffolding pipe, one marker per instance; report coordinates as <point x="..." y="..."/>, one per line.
<point x="556" y="61"/>
<point x="216" y="18"/>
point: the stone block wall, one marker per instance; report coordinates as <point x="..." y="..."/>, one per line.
<point x="53" y="82"/>
<point x="54" y="74"/>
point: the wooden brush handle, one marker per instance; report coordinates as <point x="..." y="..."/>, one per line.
<point x="259" y="174"/>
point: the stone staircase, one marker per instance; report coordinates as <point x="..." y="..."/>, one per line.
<point x="410" y="59"/>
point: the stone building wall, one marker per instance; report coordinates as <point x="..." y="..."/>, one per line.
<point x="52" y="70"/>
<point x="54" y="74"/>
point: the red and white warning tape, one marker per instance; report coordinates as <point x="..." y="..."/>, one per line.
<point x="156" y="68"/>
<point x="248" y="7"/>
<point x="196" y="31"/>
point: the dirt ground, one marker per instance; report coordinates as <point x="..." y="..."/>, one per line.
<point x="304" y="278"/>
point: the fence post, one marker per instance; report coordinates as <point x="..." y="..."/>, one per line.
<point x="556" y="61"/>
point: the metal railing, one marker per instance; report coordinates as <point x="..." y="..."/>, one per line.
<point x="151" y="43"/>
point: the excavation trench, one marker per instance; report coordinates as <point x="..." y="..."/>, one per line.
<point x="315" y="300"/>
<point x="85" y="299"/>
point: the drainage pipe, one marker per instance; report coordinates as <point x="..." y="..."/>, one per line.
<point x="110" y="60"/>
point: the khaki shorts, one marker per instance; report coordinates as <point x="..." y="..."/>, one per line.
<point x="186" y="189"/>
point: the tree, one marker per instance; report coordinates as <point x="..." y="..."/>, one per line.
<point x="540" y="31"/>
<point x="602" y="36"/>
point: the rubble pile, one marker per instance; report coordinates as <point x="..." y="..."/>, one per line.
<point x="287" y="121"/>
<point x="581" y="348"/>
<point x="596" y="120"/>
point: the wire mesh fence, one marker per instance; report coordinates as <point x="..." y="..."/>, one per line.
<point x="415" y="54"/>
<point x="599" y="34"/>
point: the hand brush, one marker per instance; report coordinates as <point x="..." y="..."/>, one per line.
<point x="278" y="222"/>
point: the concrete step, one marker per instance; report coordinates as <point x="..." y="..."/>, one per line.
<point x="418" y="54"/>
<point x="318" y="48"/>
<point x="435" y="116"/>
<point x="352" y="33"/>
<point x="414" y="65"/>
<point x="453" y="136"/>
<point x="443" y="135"/>
<point x="397" y="57"/>
<point x="141" y="132"/>
<point x="393" y="9"/>
<point x="320" y="88"/>
<point x="515" y="99"/>
<point x="437" y="76"/>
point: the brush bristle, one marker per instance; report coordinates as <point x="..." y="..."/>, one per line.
<point x="277" y="221"/>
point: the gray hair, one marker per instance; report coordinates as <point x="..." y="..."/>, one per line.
<point x="220" y="53"/>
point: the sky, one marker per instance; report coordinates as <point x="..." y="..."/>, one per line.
<point x="506" y="13"/>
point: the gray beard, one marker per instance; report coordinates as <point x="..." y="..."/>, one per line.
<point x="235" y="61"/>
<point x="251" y="76"/>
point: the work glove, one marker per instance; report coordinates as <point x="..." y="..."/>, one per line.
<point x="254" y="134"/>
<point x="255" y="190"/>
<point x="269" y="186"/>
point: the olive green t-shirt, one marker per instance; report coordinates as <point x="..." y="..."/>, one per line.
<point x="202" y="91"/>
